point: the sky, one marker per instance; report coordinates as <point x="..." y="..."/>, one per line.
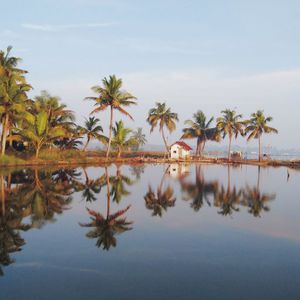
<point x="192" y="54"/>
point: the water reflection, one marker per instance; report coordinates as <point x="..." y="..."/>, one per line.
<point x="32" y="198"/>
<point x="158" y="201"/>
<point x="105" y="228"/>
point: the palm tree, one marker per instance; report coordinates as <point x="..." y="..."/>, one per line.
<point x="120" y="140"/>
<point x="256" y="126"/>
<point x="140" y="138"/>
<point x="39" y="131"/>
<point x="200" y="128"/>
<point x="13" y="104"/>
<point x="92" y="130"/>
<point x="111" y="96"/>
<point x="230" y="124"/>
<point x="162" y="115"/>
<point x="8" y="64"/>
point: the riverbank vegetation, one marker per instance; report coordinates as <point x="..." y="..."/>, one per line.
<point x="43" y="128"/>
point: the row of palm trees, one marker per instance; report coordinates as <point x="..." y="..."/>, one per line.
<point x="45" y="122"/>
<point x="200" y="128"/>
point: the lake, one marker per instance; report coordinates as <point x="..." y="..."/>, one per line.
<point x="150" y="232"/>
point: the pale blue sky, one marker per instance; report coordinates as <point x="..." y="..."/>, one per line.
<point x="206" y="55"/>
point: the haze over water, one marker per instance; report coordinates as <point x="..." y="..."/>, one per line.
<point x="191" y="232"/>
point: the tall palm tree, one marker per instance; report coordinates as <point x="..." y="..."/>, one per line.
<point x="200" y="129"/>
<point x="230" y="124"/>
<point x="92" y="130"/>
<point x="111" y="96"/>
<point x="161" y="115"/>
<point x="140" y="138"/>
<point x="120" y="140"/>
<point x="257" y="126"/>
<point x="8" y="64"/>
<point x="13" y="104"/>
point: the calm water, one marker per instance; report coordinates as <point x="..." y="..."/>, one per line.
<point x="152" y="232"/>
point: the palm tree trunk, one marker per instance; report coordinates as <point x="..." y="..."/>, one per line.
<point x="110" y="132"/>
<point x="259" y="148"/>
<point x="165" y="141"/>
<point x="37" y="151"/>
<point x="3" y="195"/>
<point x="4" y="134"/>
<point x="229" y="147"/>
<point x="119" y="152"/>
<point x="86" y="144"/>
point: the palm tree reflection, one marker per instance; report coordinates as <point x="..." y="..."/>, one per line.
<point x="199" y="191"/>
<point x="105" y="228"/>
<point x="255" y="200"/>
<point x="160" y="200"/>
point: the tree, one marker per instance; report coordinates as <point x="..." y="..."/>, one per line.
<point x="230" y="124"/>
<point x="39" y="131"/>
<point x="111" y="96"/>
<point x="200" y="129"/>
<point x="140" y="138"/>
<point x="120" y="139"/>
<point x="92" y="130"/>
<point x="163" y="116"/>
<point x="13" y="98"/>
<point x="257" y="126"/>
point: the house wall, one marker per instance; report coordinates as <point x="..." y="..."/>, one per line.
<point x="178" y="152"/>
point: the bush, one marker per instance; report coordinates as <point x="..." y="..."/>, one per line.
<point x="11" y="160"/>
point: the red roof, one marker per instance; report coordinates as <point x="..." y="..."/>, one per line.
<point x="183" y="145"/>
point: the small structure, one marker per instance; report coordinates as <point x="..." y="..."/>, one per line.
<point x="180" y="150"/>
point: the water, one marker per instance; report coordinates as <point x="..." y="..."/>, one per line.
<point x="181" y="232"/>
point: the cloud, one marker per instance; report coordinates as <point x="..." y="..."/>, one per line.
<point x="55" y="28"/>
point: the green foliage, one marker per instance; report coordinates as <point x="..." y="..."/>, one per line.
<point x="200" y="129"/>
<point x="162" y="116"/>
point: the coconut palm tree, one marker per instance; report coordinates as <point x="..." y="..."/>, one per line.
<point x="40" y="132"/>
<point x="111" y="96"/>
<point x="92" y="130"/>
<point x="161" y="115"/>
<point x="200" y="129"/>
<point x="257" y="126"/>
<point x="13" y="104"/>
<point x="230" y="124"/>
<point x="120" y="140"/>
<point x="8" y="64"/>
<point x="140" y="138"/>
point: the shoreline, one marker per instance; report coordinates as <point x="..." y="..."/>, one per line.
<point x="98" y="160"/>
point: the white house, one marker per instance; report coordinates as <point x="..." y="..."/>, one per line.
<point x="180" y="150"/>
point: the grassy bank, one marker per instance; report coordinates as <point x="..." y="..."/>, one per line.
<point x="76" y="157"/>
